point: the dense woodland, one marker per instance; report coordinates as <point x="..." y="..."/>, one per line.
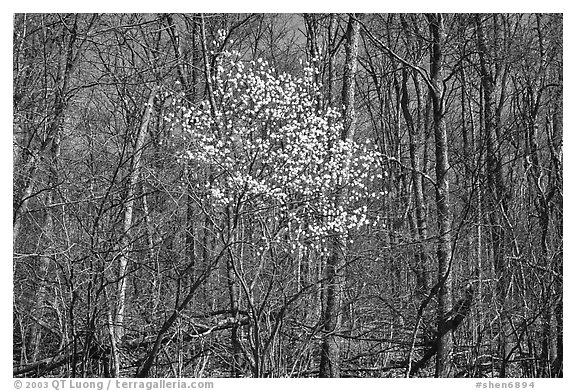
<point x="287" y="195"/>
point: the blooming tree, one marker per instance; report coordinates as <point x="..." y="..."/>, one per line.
<point x="272" y="155"/>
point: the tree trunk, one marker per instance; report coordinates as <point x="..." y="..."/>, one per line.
<point x="48" y="247"/>
<point x="497" y="207"/>
<point x="330" y="353"/>
<point x="126" y="241"/>
<point x="235" y="336"/>
<point x="444" y="365"/>
<point x="416" y="152"/>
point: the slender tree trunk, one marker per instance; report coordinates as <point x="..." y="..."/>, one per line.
<point x="48" y="247"/>
<point x="312" y="42"/>
<point x="233" y="292"/>
<point x="156" y="282"/>
<point x="556" y="166"/>
<point x="444" y="364"/>
<point x="331" y="58"/>
<point x="126" y="242"/>
<point x="416" y="152"/>
<point x="330" y="353"/>
<point x="207" y="68"/>
<point x="498" y="202"/>
<point x="189" y="81"/>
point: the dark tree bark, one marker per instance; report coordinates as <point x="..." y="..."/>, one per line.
<point x="330" y="353"/>
<point x="444" y="363"/>
<point x="416" y="152"/>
